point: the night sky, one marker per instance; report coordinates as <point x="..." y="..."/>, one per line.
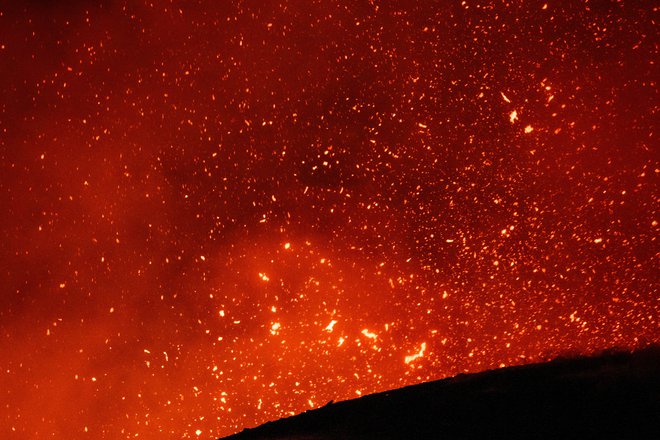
<point x="219" y="213"/>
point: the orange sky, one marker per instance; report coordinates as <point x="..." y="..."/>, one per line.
<point x="216" y="214"/>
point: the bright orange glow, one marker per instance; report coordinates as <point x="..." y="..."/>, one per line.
<point x="218" y="213"/>
<point x="414" y="357"/>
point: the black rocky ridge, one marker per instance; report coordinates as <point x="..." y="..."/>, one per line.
<point x="612" y="395"/>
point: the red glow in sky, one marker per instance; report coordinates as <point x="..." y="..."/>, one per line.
<point x="218" y="213"/>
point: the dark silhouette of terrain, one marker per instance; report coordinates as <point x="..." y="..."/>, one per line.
<point x="613" y="395"/>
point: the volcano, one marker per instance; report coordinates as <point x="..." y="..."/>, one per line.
<point x="611" y="395"/>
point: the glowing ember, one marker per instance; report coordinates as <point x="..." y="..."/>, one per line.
<point x="417" y="355"/>
<point x="369" y="334"/>
<point x="274" y="328"/>
<point x="513" y="116"/>
<point x="331" y="325"/>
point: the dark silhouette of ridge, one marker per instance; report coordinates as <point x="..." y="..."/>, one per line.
<point x="612" y="395"/>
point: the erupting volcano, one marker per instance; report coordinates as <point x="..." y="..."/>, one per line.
<point x="220" y="213"/>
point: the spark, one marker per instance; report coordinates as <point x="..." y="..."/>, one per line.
<point x="417" y="355"/>
<point x="331" y="325"/>
<point x="369" y="334"/>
